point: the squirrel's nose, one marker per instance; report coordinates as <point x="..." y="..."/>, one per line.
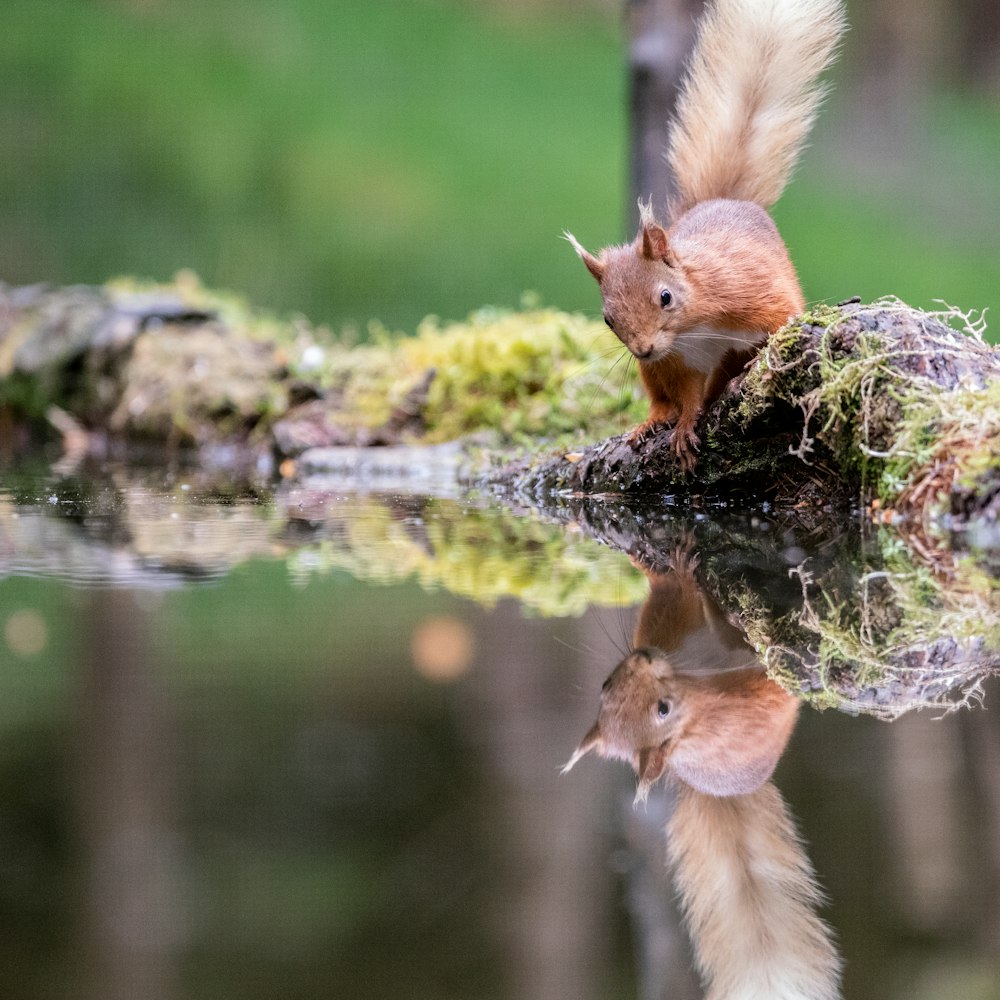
<point x="642" y="355"/>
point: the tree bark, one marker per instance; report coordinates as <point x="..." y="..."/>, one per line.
<point x="661" y="33"/>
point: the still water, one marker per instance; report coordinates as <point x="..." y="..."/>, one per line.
<point x="261" y="741"/>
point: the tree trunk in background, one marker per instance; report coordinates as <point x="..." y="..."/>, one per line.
<point x="981" y="731"/>
<point x="661" y="33"/>
<point x="979" y="39"/>
<point x="553" y="911"/>
<point x="131" y="927"/>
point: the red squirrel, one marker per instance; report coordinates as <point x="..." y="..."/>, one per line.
<point x="695" y="299"/>
<point x="692" y="699"/>
<point x="693" y="702"/>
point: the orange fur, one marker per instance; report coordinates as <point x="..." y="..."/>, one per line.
<point x="727" y="722"/>
<point x="694" y="302"/>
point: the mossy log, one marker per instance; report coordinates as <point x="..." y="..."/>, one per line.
<point x="881" y="404"/>
<point x="198" y="371"/>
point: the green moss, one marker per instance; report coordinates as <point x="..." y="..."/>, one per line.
<point x="822" y="314"/>
<point x="785" y="369"/>
<point x="536" y="375"/>
<point x="542" y="373"/>
<point x="528" y="377"/>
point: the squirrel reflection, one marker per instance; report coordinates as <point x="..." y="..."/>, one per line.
<point x="694" y="703"/>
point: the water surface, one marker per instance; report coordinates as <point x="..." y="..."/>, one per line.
<point x="294" y="741"/>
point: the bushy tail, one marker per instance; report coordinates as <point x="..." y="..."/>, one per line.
<point x="750" y="97"/>
<point x="750" y="894"/>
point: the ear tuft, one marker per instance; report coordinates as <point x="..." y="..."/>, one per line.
<point x="592" y="740"/>
<point x="593" y="264"/>
<point x="646" y="216"/>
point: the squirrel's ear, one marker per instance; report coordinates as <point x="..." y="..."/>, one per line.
<point x="594" y="265"/>
<point x="652" y="243"/>
<point x="592" y="740"/>
<point x="652" y="764"/>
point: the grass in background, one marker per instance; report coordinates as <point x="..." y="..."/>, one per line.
<point x="349" y="160"/>
<point x="403" y="158"/>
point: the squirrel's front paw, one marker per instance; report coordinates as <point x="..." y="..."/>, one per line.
<point x="684" y="445"/>
<point x="642" y="433"/>
<point x="684" y="559"/>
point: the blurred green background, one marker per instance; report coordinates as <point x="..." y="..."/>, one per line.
<point x="406" y="157"/>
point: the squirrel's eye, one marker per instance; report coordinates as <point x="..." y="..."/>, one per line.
<point x="666" y="298"/>
<point x="663" y="708"/>
<point x="607" y="319"/>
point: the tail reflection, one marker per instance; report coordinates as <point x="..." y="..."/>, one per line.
<point x="693" y="702"/>
<point x="749" y="894"/>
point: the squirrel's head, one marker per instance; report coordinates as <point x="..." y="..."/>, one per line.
<point x="720" y="734"/>
<point x="645" y="290"/>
